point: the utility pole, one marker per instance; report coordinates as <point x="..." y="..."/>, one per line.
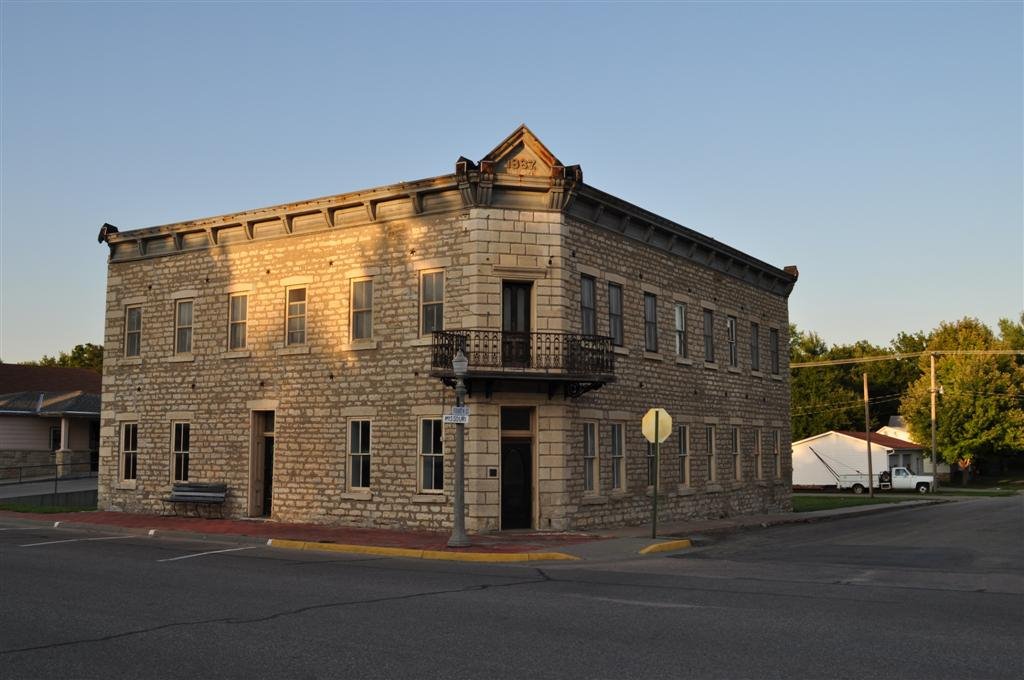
<point x="935" y="472"/>
<point x="867" y="434"/>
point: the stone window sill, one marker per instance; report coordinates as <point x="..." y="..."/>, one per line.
<point x="684" y="490"/>
<point x="756" y="374"/>
<point x="425" y="341"/>
<point x="357" y="495"/>
<point x="734" y="369"/>
<point x="293" y="349"/>
<point x="427" y="497"/>
<point x="130" y="361"/>
<point x="684" y="361"/>
<point x="359" y="345"/>
<point x="653" y="356"/>
<point x="593" y="500"/>
<point x="180" y="358"/>
<point x="711" y="365"/>
<point x="713" y="487"/>
<point x="236" y="354"/>
<point x="620" y="350"/>
<point x="776" y="376"/>
<point x="126" y="485"/>
<point x="763" y="483"/>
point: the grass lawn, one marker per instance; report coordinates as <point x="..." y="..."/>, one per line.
<point x="45" y="509"/>
<point x="811" y="503"/>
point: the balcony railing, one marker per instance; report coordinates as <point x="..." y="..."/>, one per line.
<point x="570" y="356"/>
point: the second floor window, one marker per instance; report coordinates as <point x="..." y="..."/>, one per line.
<point x="588" y="305"/>
<point x="709" y="336"/>
<point x="681" y="330"/>
<point x="238" y="315"/>
<point x="650" y="322"/>
<point x="730" y="332"/>
<point x="431" y="302"/>
<point x="615" y="313"/>
<point x="133" y="331"/>
<point x="755" y="347"/>
<point x="183" y="327"/>
<point x="296" y="322"/>
<point x="773" y="346"/>
<point x="362" y="309"/>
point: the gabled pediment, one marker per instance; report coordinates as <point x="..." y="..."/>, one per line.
<point x="524" y="155"/>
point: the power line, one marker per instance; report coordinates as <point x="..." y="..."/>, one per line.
<point x="906" y="355"/>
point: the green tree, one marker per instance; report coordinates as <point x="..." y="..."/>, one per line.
<point x="980" y="410"/>
<point x="87" y="355"/>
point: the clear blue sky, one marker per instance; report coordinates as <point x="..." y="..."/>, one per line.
<point x="878" y="146"/>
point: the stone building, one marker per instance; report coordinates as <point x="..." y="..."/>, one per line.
<point x="301" y="353"/>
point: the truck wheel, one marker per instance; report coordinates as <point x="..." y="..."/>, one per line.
<point x="922" y="487"/>
<point x="858" y="489"/>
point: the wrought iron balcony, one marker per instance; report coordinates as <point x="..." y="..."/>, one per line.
<point x="580" y="362"/>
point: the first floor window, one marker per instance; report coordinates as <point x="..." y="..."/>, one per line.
<point x="362" y="309"/>
<point x="183" y="327"/>
<point x="238" y="315"/>
<point x="359" y="454"/>
<point x="684" y="454"/>
<point x="133" y="331"/>
<point x="618" y="456"/>
<point x="615" y="314"/>
<point x="55" y="438"/>
<point x="709" y="434"/>
<point x="737" y="459"/>
<point x="295" y="329"/>
<point x="776" y="453"/>
<point x="431" y="455"/>
<point x="431" y="302"/>
<point x="129" y="450"/>
<point x="589" y="457"/>
<point x="759" y="454"/>
<point x="180" y="449"/>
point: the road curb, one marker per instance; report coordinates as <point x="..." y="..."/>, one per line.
<point x="417" y="553"/>
<point x="666" y="546"/>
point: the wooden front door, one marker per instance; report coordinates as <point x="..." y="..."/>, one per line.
<point x="515" y="323"/>
<point x="516" y="483"/>
<point x="261" y="465"/>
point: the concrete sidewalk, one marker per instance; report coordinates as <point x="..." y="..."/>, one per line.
<point x="510" y="546"/>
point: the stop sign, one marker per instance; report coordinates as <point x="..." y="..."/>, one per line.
<point x="664" y="425"/>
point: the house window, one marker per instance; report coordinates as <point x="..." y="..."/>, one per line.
<point x="709" y="434"/>
<point x="684" y="454"/>
<point x="652" y="465"/>
<point x="759" y="454"/>
<point x="650" y="322"/>
<point x="737" y="459"/>
<point x="730" y="328"/>
<point x="183" y="327"/>
<point x="359" y="453"/>
<point x="296" y="322"/>
<point x="618" y="456"/>
<point x="431" y="302"/>
<point x="238" y="315"/>
<point x="776" y="454"/>
<point x="431" y="455"/>
<point x="55" y="438"/>
<point x="588" y="305"/>
<point x="755" y="347"/>
<point x="129" y="450"/>
<point x="709" y="336"/>
<point x="615" y="313"/>
<point x="133" y="331"/>
<point x="681" y="349"/>
<point x="180" y="450"/>
<point x="773" y="345"/>
<point x="362" y="309"/>
<point x="590" y="482"/>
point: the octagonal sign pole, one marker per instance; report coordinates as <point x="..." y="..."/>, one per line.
<point x="656" y="426"/>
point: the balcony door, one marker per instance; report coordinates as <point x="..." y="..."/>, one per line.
<point x="515" y="323"/>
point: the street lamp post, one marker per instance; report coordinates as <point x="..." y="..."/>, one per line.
<point x="459" y="539"/>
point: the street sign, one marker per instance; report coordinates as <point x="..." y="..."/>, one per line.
<point x="460" y="411"/>
<point x="664" y="425"/>
<point x="456" y="419"/>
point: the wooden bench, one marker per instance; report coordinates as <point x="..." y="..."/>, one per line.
<point x="198" y="493"/>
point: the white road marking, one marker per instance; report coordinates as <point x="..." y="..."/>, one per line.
<point x="211" y="552"/>
<point x="75" y="540"/>
<point x="17" y="528"/>
<point x="646" y="603"/>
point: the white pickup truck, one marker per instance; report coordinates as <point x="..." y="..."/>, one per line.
<point x="897" y="479"/>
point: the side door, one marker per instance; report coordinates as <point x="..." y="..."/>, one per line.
<point x="901" y="478"/>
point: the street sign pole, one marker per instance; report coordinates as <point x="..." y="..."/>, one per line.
<point x="656" y="425"/>
<point x="657" y="469"/>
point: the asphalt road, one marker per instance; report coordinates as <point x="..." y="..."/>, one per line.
<point x="933" y="592"/>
